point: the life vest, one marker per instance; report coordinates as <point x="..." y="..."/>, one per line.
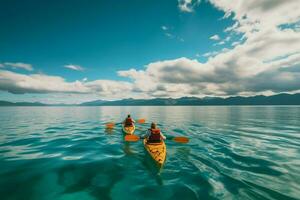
<point x="154" y="136"/>
<point x="128" y="122"/>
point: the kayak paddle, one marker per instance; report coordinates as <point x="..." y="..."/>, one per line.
<point x="135" y="138"/>
<point x="141" y="121"/>
<point x="132" y="138"/>
<point x="111" y="125"/>
<point x="180" y="139"/>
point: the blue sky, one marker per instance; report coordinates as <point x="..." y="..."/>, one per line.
<point x="89" y="46"/>
<point x="104" y="36"/>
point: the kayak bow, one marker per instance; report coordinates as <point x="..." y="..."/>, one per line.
<point x="157" y="151"/>
<point x="128" y="129"/>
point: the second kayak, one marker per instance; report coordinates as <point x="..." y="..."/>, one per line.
<point x="157" y="151"/>
<point x="128" y="129"/>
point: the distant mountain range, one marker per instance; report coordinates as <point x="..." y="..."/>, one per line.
<point x="7" y="103"/>
<point x="279" y="99"/>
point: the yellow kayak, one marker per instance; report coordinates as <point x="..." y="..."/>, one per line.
<point x="129" y="129"/>
<point x="157" y="151"/>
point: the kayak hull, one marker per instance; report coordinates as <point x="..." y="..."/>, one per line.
<point x="157" y="151"/>
<point x="129" y="130"/>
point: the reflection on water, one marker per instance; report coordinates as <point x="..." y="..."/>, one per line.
<point x="67" y="153"/>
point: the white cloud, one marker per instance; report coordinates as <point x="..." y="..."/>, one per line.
<point x="167" y="31"/>
<point x="164" y="28"/>
<point x="169" y="35"/>
<point x="20" y="65"/>
<point x="219" y="43"/>
<point x="235" y="43"/>
<point x="187" y="5"/>
<point x="225" y="74"/>
<point x="215" y="37"/>
<point x="39" y="83"/>
<point x="227" y="39"/>
<point x="213" y="53"/>
<point x="74" y="67"/>
<point x="259" y="14"/>
<point x="231" y="28"/>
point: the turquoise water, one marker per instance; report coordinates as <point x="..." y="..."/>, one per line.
<point x="66" y="153"/>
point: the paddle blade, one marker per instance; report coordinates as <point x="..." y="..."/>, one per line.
<point x="181" y="139"/>
<point x="110" y="125"/>
<point x="132" y="138"/>
<point x="141" y="121"/>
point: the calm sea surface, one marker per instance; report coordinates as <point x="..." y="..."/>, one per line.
<point x="66" y="153"/>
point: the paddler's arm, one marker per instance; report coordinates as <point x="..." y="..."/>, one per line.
<point x="162" y="135"/>
<point x="147" y="134"/>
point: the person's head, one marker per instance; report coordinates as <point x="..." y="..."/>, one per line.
<point x="128" y="116"/>
<point x="153" y="125"/>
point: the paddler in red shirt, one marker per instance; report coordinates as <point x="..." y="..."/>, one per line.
<point x="154" y="134"/>
<point x="128" y="121"/>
